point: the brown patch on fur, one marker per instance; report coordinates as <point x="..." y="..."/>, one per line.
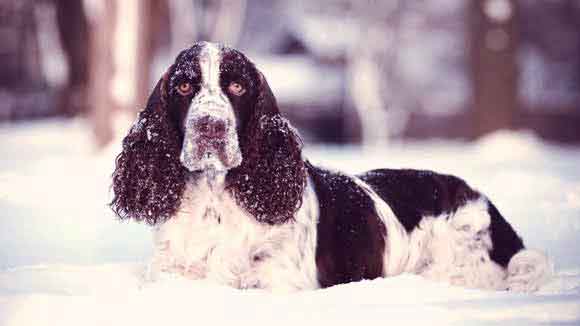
<point x="271" y="179"/>
<point x="149" y="180"/>
<point x="350" y="233"/>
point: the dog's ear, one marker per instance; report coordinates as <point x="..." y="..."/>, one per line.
<point x="270" y="181"/>
<point x="149" y="180"/>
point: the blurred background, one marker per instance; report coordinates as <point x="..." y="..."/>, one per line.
<point x="488" y="90"/>
<point x="344" y="71"/>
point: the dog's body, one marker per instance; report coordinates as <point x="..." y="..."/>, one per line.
<point x="213" y="237"/>
<point x="213" y="165"/>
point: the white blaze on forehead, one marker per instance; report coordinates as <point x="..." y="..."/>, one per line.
<point x="210" y="101"/>
<point x="209" y="61"/>
<point x="210" y="95"/>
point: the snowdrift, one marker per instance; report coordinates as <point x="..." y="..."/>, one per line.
<point x="65" y="259"/>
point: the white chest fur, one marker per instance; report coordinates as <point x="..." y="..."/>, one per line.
<point x="212" y="238"/>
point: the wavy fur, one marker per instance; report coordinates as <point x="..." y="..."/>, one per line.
<point x="271" y="179"/>
<point x="149" y="180"/>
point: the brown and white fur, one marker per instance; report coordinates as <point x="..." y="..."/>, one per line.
<point x="218" y="172"/>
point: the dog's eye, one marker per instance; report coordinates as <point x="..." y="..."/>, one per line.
<point x="236" y="89"/>
<point x="184" y="88"/>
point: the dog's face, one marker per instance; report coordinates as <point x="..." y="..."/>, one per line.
<point x="209" y="92"/>
<point x="212" y="111"/>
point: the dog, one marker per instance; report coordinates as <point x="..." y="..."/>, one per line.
<point x="218" y="172"/>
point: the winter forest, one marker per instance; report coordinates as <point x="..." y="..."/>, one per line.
<point x="488" y="90"/>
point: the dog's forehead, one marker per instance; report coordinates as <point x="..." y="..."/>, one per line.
<point x="209" y="63"/>
<point x="210" y="50"/>
<point x="205" y="62"/>
<point x="199" y="53"/>
<point x="187" y="64"/>
<point x="222" y="56"/>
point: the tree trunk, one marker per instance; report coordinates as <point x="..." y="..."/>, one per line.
<point x="493" y="45"/>
<point x="74" y="36"/>
<point x="152" y="32"/>
<point x="101" y="71"/>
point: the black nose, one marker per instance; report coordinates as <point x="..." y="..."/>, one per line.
<point x="211" y="127"/>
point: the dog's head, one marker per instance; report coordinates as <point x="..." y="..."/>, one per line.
<point x="211" y="112"/>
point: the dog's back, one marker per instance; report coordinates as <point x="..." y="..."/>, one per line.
<point x="421" y="222"/>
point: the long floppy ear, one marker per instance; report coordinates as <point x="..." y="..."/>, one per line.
<point x="149" y="180"/>
<point x="270" y="181"/>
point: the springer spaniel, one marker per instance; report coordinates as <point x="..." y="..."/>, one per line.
<point x="215" y="168"/>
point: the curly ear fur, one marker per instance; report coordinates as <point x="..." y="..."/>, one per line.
<point x="149" y="179"/>
<point x="271" y="179"/>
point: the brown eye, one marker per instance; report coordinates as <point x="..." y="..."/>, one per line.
<point x="184" y="88"/>
<point x="236" y="89"/>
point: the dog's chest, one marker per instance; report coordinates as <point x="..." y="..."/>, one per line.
<point x="212" y="237"/>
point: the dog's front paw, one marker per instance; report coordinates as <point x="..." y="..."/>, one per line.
<point x="528" y="270"/>
<point x="193" y="271"/>
<point x="162" y="263"/>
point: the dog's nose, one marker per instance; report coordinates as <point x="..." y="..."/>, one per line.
<point x="211" y="127"/>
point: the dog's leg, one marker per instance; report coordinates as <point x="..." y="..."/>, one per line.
<point x="161" y="262"/>
<point x="167" y="259"/>
<point x="458" y="251"/>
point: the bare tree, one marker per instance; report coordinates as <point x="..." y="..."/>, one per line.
<point x="101" y="29"/>
<point x="493" y="44"/>
<point x="153" y="32"/>
<point x="74" y="36"/>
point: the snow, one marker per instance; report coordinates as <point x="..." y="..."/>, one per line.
<point x="65" y="259"/>
<point x="498" y="10"/>
<point x="296" y="79"/>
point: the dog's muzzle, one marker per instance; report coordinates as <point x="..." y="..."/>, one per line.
<point x="210" y="139"/>
<point x="210" y="127"/>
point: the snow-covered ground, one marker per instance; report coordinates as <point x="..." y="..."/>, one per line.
<point x="64" y="258"/>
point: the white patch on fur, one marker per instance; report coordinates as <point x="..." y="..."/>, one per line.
<point x="210" y="67"/>
<point x="528" y="270"/>
<point x="213" y="238"/>
<point x="452" y="248"/>
<point x="396" y="241"/>
<point x="210" y="101"/>
<point x="457" y="248"/>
